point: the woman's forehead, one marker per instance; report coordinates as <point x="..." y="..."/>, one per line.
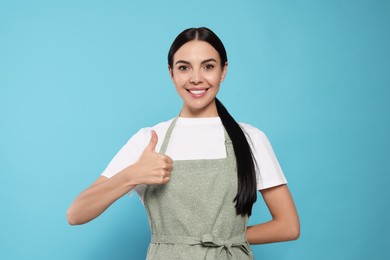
<point x="196" y="50"/>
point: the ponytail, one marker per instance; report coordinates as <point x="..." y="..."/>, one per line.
<point x="246" y="192"/>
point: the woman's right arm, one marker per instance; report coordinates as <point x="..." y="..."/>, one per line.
<point x="99" y="196"/>
<point x="151" y="168"/>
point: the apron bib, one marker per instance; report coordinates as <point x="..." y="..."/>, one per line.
<point x="193" y="216"/>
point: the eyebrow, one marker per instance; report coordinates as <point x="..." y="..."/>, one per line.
<point x="186" y="62"/>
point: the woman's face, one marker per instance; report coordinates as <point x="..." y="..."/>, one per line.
<point x="197" y="73"/>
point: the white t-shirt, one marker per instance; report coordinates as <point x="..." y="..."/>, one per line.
<point x="199" y="138"/>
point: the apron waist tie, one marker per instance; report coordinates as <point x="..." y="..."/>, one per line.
<point x="207" y="240"/>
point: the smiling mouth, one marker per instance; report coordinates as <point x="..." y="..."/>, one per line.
<point x="197" y="91"/>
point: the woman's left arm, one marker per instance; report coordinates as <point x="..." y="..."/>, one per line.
<point x="285" y="222"/>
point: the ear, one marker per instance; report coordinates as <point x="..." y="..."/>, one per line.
<point x="170" y="71"/>
<point x="224" y="71"/>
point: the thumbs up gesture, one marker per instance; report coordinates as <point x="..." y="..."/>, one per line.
<point x="152" y="167"/>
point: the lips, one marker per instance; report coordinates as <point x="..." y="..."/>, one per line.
<point x="197" y="92"/>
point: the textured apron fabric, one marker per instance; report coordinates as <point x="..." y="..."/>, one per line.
<point x="193" y="215"/>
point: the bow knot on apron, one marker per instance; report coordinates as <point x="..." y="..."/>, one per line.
<point x="210" y="240"/>
<point x="207" y="240"/>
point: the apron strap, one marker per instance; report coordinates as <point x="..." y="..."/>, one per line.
<point x="164" y="145"/>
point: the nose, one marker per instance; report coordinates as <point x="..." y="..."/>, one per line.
<point x="196" y="77"/>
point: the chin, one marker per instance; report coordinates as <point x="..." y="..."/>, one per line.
<point x="204" y="108"/>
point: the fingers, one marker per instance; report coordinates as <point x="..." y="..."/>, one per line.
<point x="167" y="167"/>
<point x="153" y="142"/>
<point x="162" y="177"/>
<point x="164" y="180"/>
<point x="166" y="159"/>
<point x="155" y="167"/>
<point x="167" y="163"/>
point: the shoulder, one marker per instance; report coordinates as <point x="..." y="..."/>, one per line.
<point x="257" y="139"/>
<point x="161" y="127"/>
<point x="249" y="128"/>
<point x="142" y="137"/>
<point x="254" y="134"/>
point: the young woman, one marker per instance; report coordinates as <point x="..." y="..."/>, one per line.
<point x="197" y="174"/>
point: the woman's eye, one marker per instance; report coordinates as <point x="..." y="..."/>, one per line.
<point x="183" y="68"/>
<point x="209" y="66"/>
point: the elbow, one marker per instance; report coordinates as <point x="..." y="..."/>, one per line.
<point x="76" y="216"/>
<point x="294" y="234"/>
<point x="289" y="230"/>
<point x="294" y="231"/>
<point x="72" y="218"/>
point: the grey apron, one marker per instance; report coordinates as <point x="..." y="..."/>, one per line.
<point x="193" y="215"/>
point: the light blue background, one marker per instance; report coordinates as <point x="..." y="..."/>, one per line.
<point x="78" y="78"/>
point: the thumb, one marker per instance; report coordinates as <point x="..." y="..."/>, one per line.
<point x="153" y="142"/>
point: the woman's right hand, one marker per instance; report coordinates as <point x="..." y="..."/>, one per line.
<point x="151" y="167"/>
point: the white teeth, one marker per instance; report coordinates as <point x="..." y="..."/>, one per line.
<point x="197" y="92"/>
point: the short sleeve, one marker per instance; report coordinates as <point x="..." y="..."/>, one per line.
<point x="126" y="156"/>
<point x="268" y="171"/>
